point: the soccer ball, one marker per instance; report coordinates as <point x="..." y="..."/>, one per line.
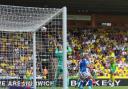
<point x="43" y="29"/>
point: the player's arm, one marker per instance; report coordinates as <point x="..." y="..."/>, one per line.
<point x="69" y="49"/>
<point x="88" y="64"/>
<point x="56" y="47"/>
<point x="56" y="50"/>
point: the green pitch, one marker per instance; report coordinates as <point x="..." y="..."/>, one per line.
<point x="103" y="87"/>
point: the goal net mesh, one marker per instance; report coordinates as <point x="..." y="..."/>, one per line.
<point x="17" y="18"/>
<point x="17" y="25"/>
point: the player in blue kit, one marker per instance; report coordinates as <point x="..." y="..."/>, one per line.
<point x="84" y="71"/>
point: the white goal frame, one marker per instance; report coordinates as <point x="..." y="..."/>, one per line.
<point x="33" y="30"/>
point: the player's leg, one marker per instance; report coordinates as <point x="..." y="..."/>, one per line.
<point x="89" y="75"/>
<point x="55" y="78"/>
<point x="80" y="82"/>
<point x="58" y="74"/>
<point x="84" y="78"/>
<point x="93" y="77"/>
<point x="112" y="77"/>
<point x="80" y="86"/>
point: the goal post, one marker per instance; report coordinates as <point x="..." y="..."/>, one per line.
<point x="34" y="60"/>
<point x="65" y="77"/>
<point x="29" y="40"/>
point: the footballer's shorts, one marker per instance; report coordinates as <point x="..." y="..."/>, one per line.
<point x="85" y="74"/>
<point x="60" y="69"/>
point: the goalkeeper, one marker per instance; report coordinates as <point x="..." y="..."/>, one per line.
<point x="112" y="70"/>
<point x="59" y="56"/>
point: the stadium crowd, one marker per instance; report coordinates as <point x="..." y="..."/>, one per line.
<point x="102" y="45"/>
<point x="15" y="54"/>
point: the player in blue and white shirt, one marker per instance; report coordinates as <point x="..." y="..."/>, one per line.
<point x="84" y="71"/>
<point x="84" y="67"/>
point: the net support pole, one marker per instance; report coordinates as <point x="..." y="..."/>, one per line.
<point x="65" y="74"/>
<point x="34" y="60"/>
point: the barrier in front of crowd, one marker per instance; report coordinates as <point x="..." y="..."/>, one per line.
<point x="72" y="82"/>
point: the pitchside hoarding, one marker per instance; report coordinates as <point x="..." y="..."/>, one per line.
<point x="105" y="82"/>
<point x="72" y="82"/>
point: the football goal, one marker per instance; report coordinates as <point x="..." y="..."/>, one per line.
<point x="33" y="47"/>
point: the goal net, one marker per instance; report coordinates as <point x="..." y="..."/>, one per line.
<point x="32" y="47"/>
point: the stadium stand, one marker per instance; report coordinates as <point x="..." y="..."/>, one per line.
<point x="102" y="44"/>
<point x="14" y="46"/>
